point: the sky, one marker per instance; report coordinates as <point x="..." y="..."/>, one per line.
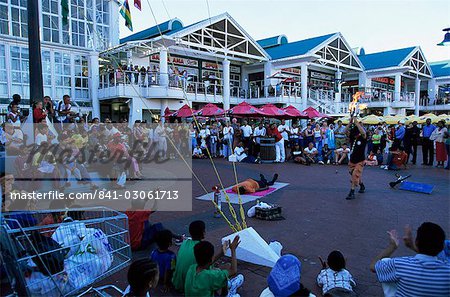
<point x="374" y="25"/>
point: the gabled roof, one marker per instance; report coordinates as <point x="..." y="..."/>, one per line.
<point x="272" y="41"/>
<point x="440" y="69"/>
<point x="385" y="59"/>
<point x="296" y="48"/>
<point x="163" y="28"/>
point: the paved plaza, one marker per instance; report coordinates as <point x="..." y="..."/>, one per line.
<point x="319" y="219"/>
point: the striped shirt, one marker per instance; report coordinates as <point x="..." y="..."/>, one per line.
<point x="419" y="276"/>
<point x="329" y="279"/>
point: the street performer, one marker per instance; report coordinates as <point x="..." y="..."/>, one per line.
<point x="358" y="140"/>
<point x="251" y="185"/>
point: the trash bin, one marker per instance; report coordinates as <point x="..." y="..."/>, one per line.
<point x="267" y="149"/>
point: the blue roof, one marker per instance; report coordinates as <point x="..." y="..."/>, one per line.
<point x="385" y="59"/>
<point x="272" y="41"/>
<point x="166" y="27"/>
<point x="296" y="48"/>
<point x="441" y="68"/>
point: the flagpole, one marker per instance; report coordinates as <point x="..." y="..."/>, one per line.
<point x="34" y="50"/>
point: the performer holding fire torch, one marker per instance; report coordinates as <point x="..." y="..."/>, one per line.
<point x="358" y="140"/>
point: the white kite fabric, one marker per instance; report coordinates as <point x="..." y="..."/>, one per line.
<point x="234" y="198"/>
<point x="253" y="248"/>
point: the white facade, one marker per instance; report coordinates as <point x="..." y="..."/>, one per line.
<point x="69" y="53"/>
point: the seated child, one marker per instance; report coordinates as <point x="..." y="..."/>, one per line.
<point x="297" y="155"/>
<point x="380" y="157"/>
<point x="186" y="258"/>
<point x="327" y="154"/>
<point x="164" y="257"/>
<point x="396" y="160"/>
<point x="142" y="276"/>
<point x="251" y="185"/>
<point x="371" y="159"/>
<point x="284" y="279"/>
<point x="203" y="280"/>
<point x="341" y="155"/>
<point x="335" y="280"/>
<point x="198" y="153"/>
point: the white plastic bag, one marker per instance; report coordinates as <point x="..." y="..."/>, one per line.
<point x="232" y="158"/>
<point x="122" y="179"/>
<point x="69" y="235"/>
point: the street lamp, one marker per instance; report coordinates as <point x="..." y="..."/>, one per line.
<point x="446" y="41"/>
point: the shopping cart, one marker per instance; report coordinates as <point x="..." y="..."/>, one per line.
<point x="65" y="258"/>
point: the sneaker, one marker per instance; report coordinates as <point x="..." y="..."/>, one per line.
<point x="350" y="195"/>
<point x="328" y="162"/>
<point x="362" y="188"/>
<point x="234" y="284"/>
<point x="321" y="162"/>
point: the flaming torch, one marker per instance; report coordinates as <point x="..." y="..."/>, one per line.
<point x="355" y="107"/>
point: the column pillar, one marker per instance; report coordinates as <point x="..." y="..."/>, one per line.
<point x="93" y="83"/>
<point x="268" y="72"/>
<point x="304" y="84"/>
<point x="163" y="68"/>
<point x="226" y="84"/>
<point x="135" y="110"/>
<point x="417" y="97"/>
<point x="397" y="87"/>
<point x="164" y="104"/>
<point x="364" y="82"/>
<point x="432" y="90"/>
<point x="337" y="95"/>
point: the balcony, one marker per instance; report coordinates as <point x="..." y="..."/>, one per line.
<point x="439" y="104"/>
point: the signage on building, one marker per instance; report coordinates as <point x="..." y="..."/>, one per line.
<point x="291" y="70"/>
<point x="176" y="60"/>
<point x="385" y="80"/>
<point x="215" y="66"/>
<point x="322" y="76"/>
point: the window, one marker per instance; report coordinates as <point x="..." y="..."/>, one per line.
<point x="50" y="20"/>
<point x="4" y="17"/>
<point x="102" y="18"/>
<point x="47" y="72"/>
<point x="3" y="82"/>
<point x="78" y="22"/>
<point x="62" y="74"/>
<point x="81" y="77"/>
<point x="19" y="18"/>
<point x="20" y="71"/>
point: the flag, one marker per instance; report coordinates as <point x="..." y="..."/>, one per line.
<point x="65" y="11"/>
<point x="137" y="4"/>
<point x="126" y="13"/>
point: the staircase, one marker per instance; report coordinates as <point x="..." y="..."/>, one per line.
<point x="324" y="102"/>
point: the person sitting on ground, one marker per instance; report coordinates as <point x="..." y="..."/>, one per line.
<point x="341" y="155"/>
<point x="164" y="257"/>
<point x="311" y="153"/>
<point x="243" y="156"/>
<point x="335" y="280"/>
<point x="198" y="153"/>
<point x="203" y="280"/>
<point x="251" y="185"/>
<point x="327" y="154"/>
<point x="380" y="157"/>
<point x="186" y="258"/>
<point x="284" y="279"/>
<point x="371" y="159"/>
<point x="142" y="276"/>
<point x="297" y="155"/>
<point x="421" y="275"/>
<point x="396" y="160"/>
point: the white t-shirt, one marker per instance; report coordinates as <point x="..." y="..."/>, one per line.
<point x="258" y="133"/>
<point x="329" y="279"/>
<point x="341" y="150"/>
<point x="294" y="132"/>
<point x="41" y="138"/>
<point x="63" y="107"/>
<point x="198" y="151"/>
<point x="310" y="151"/>
<point x="17" y="135"/>
<point x="228" y="132"/>
<point x="16" y="117"/>
<point x="246" y="131"/>
<point x="239" y="152"/>
<point x="283" y="131"/>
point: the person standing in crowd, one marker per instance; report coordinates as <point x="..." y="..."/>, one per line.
<point x="259" y="132"/>
<point x="414" y="134"/>
<point x="284" y="131"/>
<point x="246" y="134"/>
<point x="237" y="137"/>
<point x="39" y="114"/>
<point x="358" y="141"/>
<point x="214" y="137"/>
<point x="279" y="143"/>
<point x="447" y="148"/>
<point x="318" y="138"/>
<point x="48" y="107"/>
<point x="308" y="135"/>
<point x="339" y="134"/>
<point x="427" y="144"/>
<point x="399" y="134"/>
<point x="376" y="139"/>
<point x="421" y="275"/>
<point x="294" y="135"/>
<point x="438" y="137"/>
<point x="228" y="133"/>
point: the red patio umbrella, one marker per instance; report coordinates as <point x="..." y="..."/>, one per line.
<point x="184" y="112"/>
<point x="273" y="111"/>
<point x="294" y="112"/>
<point x="210" y="110"/>
<point x="290" y="80"/>
<point x="314" y="113"/>
<point x="246" y="110"/>
<point x="167" y="112"/>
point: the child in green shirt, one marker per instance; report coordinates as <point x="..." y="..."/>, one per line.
<point x="204" y="281"/>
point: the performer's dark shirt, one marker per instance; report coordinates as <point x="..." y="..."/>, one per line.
<point x="358" y="153"/>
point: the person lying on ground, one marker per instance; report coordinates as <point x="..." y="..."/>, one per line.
<point x="335" y="280"/>
<point x="396" y="160"/>
<point x="203" y="280"/>
<point x="251" y="185"/>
